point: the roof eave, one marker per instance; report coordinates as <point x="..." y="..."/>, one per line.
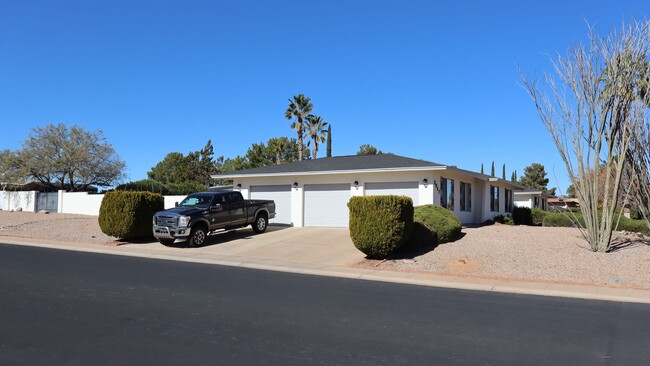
<point x="324" y="172"/>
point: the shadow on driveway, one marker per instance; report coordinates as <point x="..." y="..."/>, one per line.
<point x="221" y="237"/>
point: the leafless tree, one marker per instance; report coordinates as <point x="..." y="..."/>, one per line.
<point x="592" y="115"/>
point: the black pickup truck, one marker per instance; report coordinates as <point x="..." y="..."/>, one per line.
<point x="201" y="213"/>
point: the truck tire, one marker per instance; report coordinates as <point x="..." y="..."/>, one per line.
<point x="197" y="236"/>
<point x="166" y="242"/>
<point x="260" y="224"/>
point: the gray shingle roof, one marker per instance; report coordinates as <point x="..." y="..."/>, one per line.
<point x="338" y="163"/>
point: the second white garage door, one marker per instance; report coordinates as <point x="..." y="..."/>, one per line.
<point x="327" y="205"/>
<point x="409" y="189"/>
<point x="281" y="194"/>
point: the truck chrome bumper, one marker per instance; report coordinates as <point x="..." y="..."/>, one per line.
<point x="164" y="232"/>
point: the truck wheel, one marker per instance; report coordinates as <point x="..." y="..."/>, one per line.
<point x="166" y="242"/>
<point x="260" y="224"/>
<point x="197" y="237"/>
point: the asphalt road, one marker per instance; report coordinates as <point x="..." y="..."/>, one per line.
<point x="68" y="308"/>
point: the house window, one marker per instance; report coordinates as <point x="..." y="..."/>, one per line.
<point x="447" y="193"/>
<point x="535" y="202"/>
<point x="465" y="197"/>
<point x="509" y="200"/>
<point x="494" y="198"/>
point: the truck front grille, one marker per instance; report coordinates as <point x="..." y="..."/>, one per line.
<point x="169" y="221"/>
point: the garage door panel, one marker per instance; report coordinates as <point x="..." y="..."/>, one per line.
<point x="409" y="189"/>
<point x="326" y="205"/>
<point x="281" y="194"/>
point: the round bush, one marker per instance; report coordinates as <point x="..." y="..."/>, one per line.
<point x="128" y="215"/>
<point x="440" y="220"/>
<point x="379" y="225"/>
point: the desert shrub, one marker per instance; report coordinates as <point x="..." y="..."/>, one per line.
<point x="503" y="219"/>
<point x="128" y="215"/>
<point x="558" y="220"/>
<point x="440" y="220"/>
<point x="522" y="216"/>
<point x="538" y="215"/>
<point x="379" y="225"/>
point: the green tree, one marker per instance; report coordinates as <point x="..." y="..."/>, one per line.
<point x="535" y="177"/>
<point x="492" y="170"/>
<point x="329" y="141"/>
<point x="367" y="149"/>
<point x="177" y="168"/>
<point x="571" y="191"/>
<point x="316" y="131"/>
<point x="513" y="177"/>
<point x="503" y="173"/>
<point x="299" y="108"/>
<point x="482" y="171"/>
<point x="68" y="158"/>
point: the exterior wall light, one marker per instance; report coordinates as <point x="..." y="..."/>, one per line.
<point x="425" y="182"/>
<point x="356" y="184"/>
<point x="239" y="185"/>
<point x="295" y="184"/>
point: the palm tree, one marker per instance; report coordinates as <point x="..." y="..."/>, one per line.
<point x="299" y="107"/>
<point x="316" y="131"/>
<point x="277" y="147"/>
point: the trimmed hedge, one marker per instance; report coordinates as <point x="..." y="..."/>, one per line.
<point x="379" y="225"/>
<point x="522" y="216"/>
<point x="559" y="220"/>
<point x="441" y="221"/>
<point x="538" y="216"/>
<point x="149" y="185"/>
<point x="636" y="226"/>
<point x="128" y="215"/>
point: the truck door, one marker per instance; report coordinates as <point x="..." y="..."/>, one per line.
<point x="219" y="216"/>
<point x="236" y="208"/>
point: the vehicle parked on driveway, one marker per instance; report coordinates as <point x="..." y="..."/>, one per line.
<point x="202" y="213"/>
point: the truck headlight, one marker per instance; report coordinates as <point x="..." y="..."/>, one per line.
<point x="184" y="221"/>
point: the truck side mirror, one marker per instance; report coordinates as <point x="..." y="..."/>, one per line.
<point x="176" y="204"/>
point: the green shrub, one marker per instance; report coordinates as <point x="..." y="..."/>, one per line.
<point x="558" y="220"/>
<point x="421" y="237"/>
<point x="149" y="185"/>
<point x="504" y="219"/>
<point x="379" y="225"/>
<point x="128" y="215"/>
<point x="440" y="220"/>
<point x="522" y="216"/>
<point x="636" y="226"/>
<point x="538" y="215"/>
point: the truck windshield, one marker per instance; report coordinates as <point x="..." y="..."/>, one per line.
<point x="198" y="201"/>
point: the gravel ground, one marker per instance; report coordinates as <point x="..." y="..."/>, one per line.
<point x="61" y="227"/>
<point x="534" y="253"/>
<point x="497" y="251"/>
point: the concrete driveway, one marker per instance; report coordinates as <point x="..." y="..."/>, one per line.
<point x="278" y="246"/>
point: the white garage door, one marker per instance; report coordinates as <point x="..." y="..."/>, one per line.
<point x="281" y="194"/>
<point x="409" y="189"/>
<point x="327" y="205"/>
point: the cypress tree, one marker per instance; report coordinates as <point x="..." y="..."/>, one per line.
<point x="492" y="171"/>
<point x="503" y="174"/>
<point x="482" y="168"/>
<point x="329" y="141"/>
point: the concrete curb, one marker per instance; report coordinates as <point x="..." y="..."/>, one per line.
<point x="412" y="278"/>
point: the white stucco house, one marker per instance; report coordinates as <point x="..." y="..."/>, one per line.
<point x="316" y="192"/>
<point x="532" y="199"/>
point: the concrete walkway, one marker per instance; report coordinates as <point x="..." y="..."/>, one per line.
<point x="325" y="252"/>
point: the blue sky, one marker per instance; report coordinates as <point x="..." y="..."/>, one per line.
<point x="431" y="80"/>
